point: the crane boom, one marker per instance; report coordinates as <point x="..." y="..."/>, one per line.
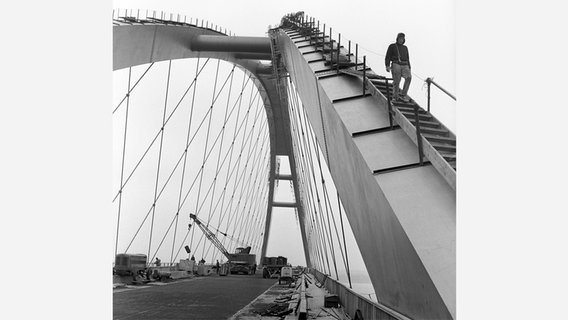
<point x="211" y="236"/>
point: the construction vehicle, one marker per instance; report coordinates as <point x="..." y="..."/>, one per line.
<point x="286" y="275"/>
<point x="126" y="264"/>
<point x="272" y="266"/>
<point x="242" y="261"/>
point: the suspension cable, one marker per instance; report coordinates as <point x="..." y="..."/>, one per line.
<point x="222" y="218"/>
<point x="165" y="184"/>
<point x="247" y="198"/>
<point x="238" y="161"/>
<point x="241" y="179"/>
<point x="326" y="196"/>
<point x="237" y="133"/>
<point x="153" y="141"/>
<point x="159" y="159"/>
<point x="344" y="243"/>
<point x="242" y="188"/>
<point x="122" y="162"/>
<point x="185" y="156"/>
<point x="320" y="243"/>
<point x="321" y="220"/>
<point x="127" y="95"/>
<point x="221" y="143"/>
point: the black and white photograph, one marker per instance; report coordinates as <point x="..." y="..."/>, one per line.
<point x="284" y="160"/>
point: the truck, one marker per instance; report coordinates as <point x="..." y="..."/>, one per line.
<point x="126" y="264"/>
<point x="272" y="266"/>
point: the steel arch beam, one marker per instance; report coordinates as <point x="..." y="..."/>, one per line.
<point x="403" y="220"/>
<point x="137" y="44"/>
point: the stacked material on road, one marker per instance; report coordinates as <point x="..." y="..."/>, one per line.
<point x="280" y="302"/>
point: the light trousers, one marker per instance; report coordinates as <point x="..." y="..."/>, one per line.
<point x="399" y="71"/>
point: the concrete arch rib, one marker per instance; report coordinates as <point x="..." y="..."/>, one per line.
<point x="142" y="44"/>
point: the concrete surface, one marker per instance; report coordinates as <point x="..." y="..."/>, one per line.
<point x="212" y="297"/>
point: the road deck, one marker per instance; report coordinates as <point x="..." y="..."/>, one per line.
<point x="200" y="298"/>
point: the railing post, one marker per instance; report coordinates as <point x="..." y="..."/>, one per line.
<point x="338" y="48"/>
<point x="331" y="48"/>
<point x="323" y="40"/>
<point x="349" y="51"/>
<point x="418" y="134"/>
<point x="318" y="34"/>
<point x="428" y="82"/>
<point x="356" y="54"/>
<point x="389" y="102"/>
<point x="331" y="40"/>
<point x="364" y="72"/>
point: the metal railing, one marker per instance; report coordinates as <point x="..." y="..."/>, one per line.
<point x="138" y="16"/>
<point x="307" y="26"/>
<point x="430" y="81"/>
<point x="353" y="302"/>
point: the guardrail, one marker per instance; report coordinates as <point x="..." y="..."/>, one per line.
<point x="430" y="81"/>
<point x="309" y="27"/>
<point x="354" y="303"/>
<point x="138" y="16"/>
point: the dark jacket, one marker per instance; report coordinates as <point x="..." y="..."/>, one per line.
<point x="393" y="55"/>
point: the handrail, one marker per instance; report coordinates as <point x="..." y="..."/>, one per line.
<point x="352" y="301"/>
<point x="302" y="28"/>
<point x="430" y="81"/>
<point x="418" y="135"/>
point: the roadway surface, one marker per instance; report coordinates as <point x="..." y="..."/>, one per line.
<point x="211" y="297"/>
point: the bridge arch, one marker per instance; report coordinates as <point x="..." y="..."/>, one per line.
<point x="416" y="272"/>
<point x="138" y="44"/>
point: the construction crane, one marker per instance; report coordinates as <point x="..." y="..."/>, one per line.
<point x="210" y="235"/>
<point x="239" y="262"/>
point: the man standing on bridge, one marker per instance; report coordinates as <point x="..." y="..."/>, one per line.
<point x="398" y="54"/>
